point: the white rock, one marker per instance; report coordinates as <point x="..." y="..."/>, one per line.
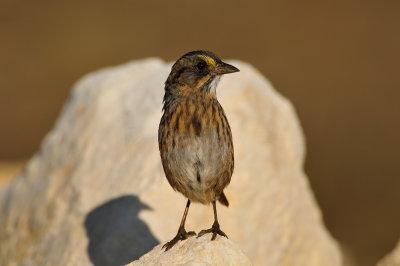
<point x="392" y="259"/>
<point x="197" y="251"/>
<point x="96" y="191"/>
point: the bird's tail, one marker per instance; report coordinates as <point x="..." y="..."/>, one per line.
<point x="223" y="200"/>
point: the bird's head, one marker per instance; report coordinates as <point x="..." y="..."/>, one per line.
<point x="197" y="71"/>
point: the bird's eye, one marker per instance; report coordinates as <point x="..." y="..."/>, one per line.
<point x="201" y="65"/>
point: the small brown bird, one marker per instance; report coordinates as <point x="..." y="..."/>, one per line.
<point x="194" y="136"/>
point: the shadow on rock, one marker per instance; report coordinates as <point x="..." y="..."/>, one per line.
<point x="116" y="234"/>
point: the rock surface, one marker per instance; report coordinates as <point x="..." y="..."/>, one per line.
<point x="197" y="251"/>
<point x="392" y="259"/>
<point x="96" y="192"/>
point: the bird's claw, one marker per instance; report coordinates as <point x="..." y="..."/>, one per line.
<point x="181" y="235"/>
<point x="214" y="230"/>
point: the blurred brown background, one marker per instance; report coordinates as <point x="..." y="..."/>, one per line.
<point x="337" y="61"/>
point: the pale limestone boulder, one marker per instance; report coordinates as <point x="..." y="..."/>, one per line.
<point x="96" y="191"/>
<point x="391" y="259"/>
<point x="197" y="251"/>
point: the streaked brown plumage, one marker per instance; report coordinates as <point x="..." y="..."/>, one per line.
<point x="194" y="136"/>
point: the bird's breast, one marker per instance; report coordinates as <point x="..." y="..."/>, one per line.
<point x="196" y="117"/>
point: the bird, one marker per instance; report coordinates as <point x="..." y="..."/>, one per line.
<point x="194" y="136"/>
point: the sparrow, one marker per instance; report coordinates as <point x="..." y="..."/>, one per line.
<point x="194" y="136"/>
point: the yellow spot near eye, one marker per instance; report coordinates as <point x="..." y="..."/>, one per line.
<point x="208" y="60"/>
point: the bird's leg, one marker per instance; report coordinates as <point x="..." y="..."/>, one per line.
<point x="215" y="227"/>
<point x="182" y="234"/>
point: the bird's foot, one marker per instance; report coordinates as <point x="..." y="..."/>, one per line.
<point x="214" y="230"/>
<point x="181" y="235"/>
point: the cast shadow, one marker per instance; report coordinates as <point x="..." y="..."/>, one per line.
<point x="117" y="236"/>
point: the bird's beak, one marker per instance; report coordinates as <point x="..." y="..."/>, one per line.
<point x="224" y="68"/>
